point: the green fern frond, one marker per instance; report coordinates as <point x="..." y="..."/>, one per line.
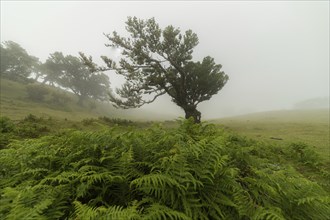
<point x="61" y="178"/>
<point x="160" y="212"/>
<point x="156" y="180"/>
<point x="83" y="211"/>
<point x="268" y="214"/>
<point x="311" y="199"/>
<point x="92" y="177"/>
<point x="117" y="212"/>
<point x="37" y="202"/>
<point x="37" y="172"/>
<point x="244" y="204"/>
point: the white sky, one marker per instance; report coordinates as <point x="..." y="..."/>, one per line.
<point x="276" y="53"/>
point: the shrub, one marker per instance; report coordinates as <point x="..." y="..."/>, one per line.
<point x="6" y="125"/>
<point x="32" y="118"/>
<point x="5" y="140"/>
<point x="31" y="130"/>
<point x="6" y="129"/>
<point x="304" y="154"/>
<point x="31" y="127"/>
<point x="36" y="92"/>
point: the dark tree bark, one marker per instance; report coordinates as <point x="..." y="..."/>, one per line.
<point x="191" y="111"/>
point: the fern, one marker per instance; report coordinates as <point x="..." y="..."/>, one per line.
<point x="160" y="212"/>
<point x="191" y="172"/>
<point x="86" y="212"/>
<point x="310" y="200"/>
<point x="32" y="203"/>
<point x="268" y="214"/>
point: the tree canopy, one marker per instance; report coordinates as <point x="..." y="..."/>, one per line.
<point x="16" y="63"/>
<point x="159" y="61"/>
<point x="70" y="72"/>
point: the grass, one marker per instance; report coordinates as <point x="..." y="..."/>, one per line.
<point x="284" y="127"/>
<point x="15" y="104"/>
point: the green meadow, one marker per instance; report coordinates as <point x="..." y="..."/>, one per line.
<point x="59" y="104"/>
<point x="278" y="127"/>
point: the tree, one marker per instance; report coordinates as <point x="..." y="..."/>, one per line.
<point x="53" y="68"/>
<point x="157" y="62"/>
<point x="16" y="63"/>
<point x="70" y="72"/>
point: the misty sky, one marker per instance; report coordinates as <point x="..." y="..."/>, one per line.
<point x="275" y="53"/>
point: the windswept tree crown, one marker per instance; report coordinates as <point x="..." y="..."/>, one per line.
<point x="157" y="62"/>
<point x="71" y="73"/>
<point x="16" y="63"/>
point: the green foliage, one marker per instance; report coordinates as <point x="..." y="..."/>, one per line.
<point x="6" y="129"/>
<point x="303" y="153"/>
<point x="36" y="92"/>
<point x="31" y="127"/>
<point x="6" y="125"/>
<point x="192" y="172"/>
<point x="32" y="118"/>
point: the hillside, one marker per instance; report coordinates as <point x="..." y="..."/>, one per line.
<point x="15" y="104"/>
<point x="315" y="103"/>
<point x="308" y="126"/>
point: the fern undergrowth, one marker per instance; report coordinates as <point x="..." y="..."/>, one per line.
<point x="191" y="172"/>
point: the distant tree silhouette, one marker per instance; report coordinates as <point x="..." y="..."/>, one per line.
<point x="71" y="73"/>
<point x="16" y="63"/>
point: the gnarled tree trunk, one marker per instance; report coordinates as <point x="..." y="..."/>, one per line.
<point x="192" y="112"/>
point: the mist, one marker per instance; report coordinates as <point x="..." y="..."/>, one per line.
<point x="276" y="54"/>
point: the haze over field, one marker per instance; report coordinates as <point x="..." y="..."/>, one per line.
<point x="275" y="53"/>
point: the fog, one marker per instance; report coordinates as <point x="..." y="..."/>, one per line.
<point x="275" y="53"/>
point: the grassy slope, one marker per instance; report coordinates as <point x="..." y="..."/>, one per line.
<point x="15" y="105"/>
<point x="308" y="126"/>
